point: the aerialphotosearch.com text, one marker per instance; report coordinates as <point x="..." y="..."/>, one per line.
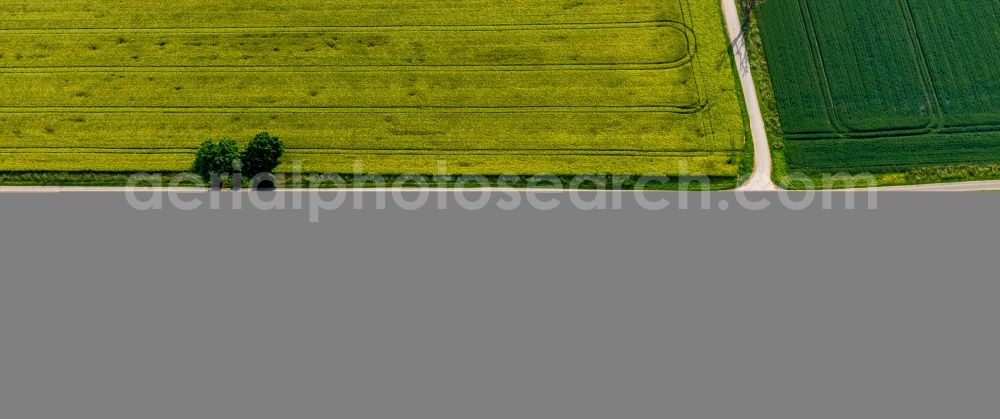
<point x="317" y="193"/>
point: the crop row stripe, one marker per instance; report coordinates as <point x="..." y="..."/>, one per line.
<point x="418" y="28"/>
<point x="322" y="68"/>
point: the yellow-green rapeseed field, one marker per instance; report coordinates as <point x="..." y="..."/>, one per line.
<point x="487" y="86"/>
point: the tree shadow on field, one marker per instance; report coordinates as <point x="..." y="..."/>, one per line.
<point x="740" y="53"/>
<point x="739" y="44"/>
<point x="264" y="185"/>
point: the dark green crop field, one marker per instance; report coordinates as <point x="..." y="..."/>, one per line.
<point x="397" y="86"/>
<point x="884" y="85"/>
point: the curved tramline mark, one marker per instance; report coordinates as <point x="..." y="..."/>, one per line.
<point x="702" y="104"/>
<point x="894" y="132"/>
<point x="843" y="128"/>
<point x="364" y="110"/>
<point x="700" y="69"/>
<point x="965" y="70"/>
<point x="934" y="125"/>
<point x="927" y="79"/>
<point x="849" y="135"/>
<point x="901" y="133"/>
<point x="347" y="68"/>
<point x="849" y="130"/>
<point x="361" y="28"/>
<point x="673" y="31"/>
<point x="819" y="67"/>
<point x="135" y="12"/>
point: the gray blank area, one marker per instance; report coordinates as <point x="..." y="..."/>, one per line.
<point x="107" y="312"/>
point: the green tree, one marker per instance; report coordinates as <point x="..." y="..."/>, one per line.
<point x="262" y="155"/>
<point x="216" y="158"/>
